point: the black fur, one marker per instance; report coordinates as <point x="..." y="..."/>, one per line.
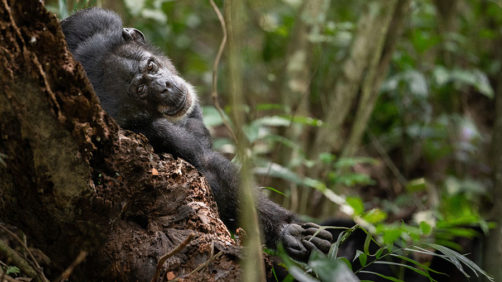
<point x="142" y="91"/>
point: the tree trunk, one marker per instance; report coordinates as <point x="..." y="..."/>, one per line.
<point x="252" y="263"/>
<point x="362" y="74"/>
<point x="73" y="181"/>
<point x="493" y="244"/>
<point x="379" y="64"/>
<point x="364" y="45"/>
<point x="295" y="88"/>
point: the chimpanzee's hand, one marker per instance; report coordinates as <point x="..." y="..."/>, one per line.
<point x="299" y="240"/>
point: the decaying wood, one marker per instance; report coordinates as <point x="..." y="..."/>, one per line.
<point x="74" y="181"/>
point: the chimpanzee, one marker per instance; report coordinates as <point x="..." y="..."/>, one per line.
<point x="141" y="89"/>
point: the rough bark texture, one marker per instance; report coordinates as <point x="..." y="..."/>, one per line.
<point x="73" y="180"/>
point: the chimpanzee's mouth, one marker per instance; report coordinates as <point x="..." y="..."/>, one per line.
<point x="176" y="110"/>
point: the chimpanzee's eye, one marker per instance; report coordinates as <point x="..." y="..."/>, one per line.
<point x="141" y="90"/>
<point x="152" y="66"/>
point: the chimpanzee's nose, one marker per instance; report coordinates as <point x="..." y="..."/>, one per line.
<point x="172" y="88"/>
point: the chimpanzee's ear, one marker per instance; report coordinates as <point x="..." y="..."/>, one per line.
<point x="132" y="34"/>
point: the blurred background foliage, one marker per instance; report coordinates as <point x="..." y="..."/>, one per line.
<point x="409" y="156"/>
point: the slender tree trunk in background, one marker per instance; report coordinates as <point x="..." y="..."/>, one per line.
<point x="493" y="244"/>
<point x="377" y="14"/>
<point x="448" y="14"/>
<point x="376" y="75"/>
<point x="74" y="181"/>
<point x="252" y="263"/>
<point x="296" y="81"/>
<point x="360" y="69"/>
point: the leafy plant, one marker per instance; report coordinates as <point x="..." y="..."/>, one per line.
<point x="377" y="259"/>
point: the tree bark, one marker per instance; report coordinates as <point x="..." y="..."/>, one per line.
<point x="73" y="180"/>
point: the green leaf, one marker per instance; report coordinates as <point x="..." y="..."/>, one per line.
<point x="211" y="116"/>
<point x="285" y="141"/>
<point x="379" y="252"/>
<point x="327" y="158"/>
<point x="472" y="77"/>
<point x="357" y="204"/>
<point x="266" y="107"/>
<point x="63" y="9"/>
<point x="425" y="228"/>
<point x="274" y="190"/>
<point x="135" y="6"/>
<point x="422" y="266"/>
<point x="304" y="120"/>
<point x="350" y="162"/>
<point x="292" y="267"/>
<point x="391" y="235"/>
<point x="417" y="83"/>
<point x="416" y="185"/>
<point x="421" y="272"/>
<point x="352" y="179"/>
<point x="458" y="259"/>
<point x="276" y="170"/>
<point x="362" y="257"/>
<point x="300" y="275"/>
<point x="375" y="216"/>
<point x="333" y="251"/>
<point x="272" y="121"/>
<point x="381" y="275"/>
<point x="12" y="270"/>
<point x="330" y="270"/>
<point x="367" y="242"/>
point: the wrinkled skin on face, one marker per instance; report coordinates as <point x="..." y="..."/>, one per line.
<point x="153" y="87"/>
<point x="140" y="88"/>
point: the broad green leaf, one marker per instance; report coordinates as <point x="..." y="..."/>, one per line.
<point x="300" y="275"/>
<point x="12" y="270"/>
<point x="417" y="83"/>
<point x="357" y="204"/>
<point x="330" y="270"/>
<point x="211" y="116"/>
<point x="425" y="228"/>
<point x="391" y="235"/>
<point x="375" y="216"/>
<point x="362" y="257"/>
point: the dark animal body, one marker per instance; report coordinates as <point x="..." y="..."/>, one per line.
<point x="141" y="89"/>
